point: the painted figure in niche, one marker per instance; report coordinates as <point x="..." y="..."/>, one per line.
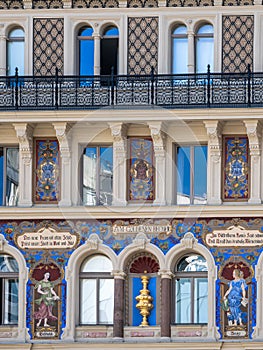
<point x="46" y="281"/>
<point x="46" y="301"/>
<point x="235" y="298"/>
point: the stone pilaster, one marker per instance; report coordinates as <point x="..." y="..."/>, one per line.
<point x="191" y="52"/>
<point x="166" y="278"/>
<point x="24" y="134"/>
<point x="159" y="138"/>
<point x="118" y="318"/>
<point x="2" y="51"/>
<point x="62" y="129"/>
<point x="214" y="162"/>
<point x="96" y="38"/>
<point x="254" y="136"/>
<point x="119" y="132"/>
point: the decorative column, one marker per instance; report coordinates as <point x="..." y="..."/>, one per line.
<point x="2" y="51"/>
<point x="159" y="138"/>
<point x="65" y="156"/>
<point x="96" y="38"/>
<point x="214" y="162"/>
<point x="119" y="132"/>
<point x="191" y="50"/>
<point x="118" y="318"/>
<point x="254" y="137"/>
<point x="24" y="134"/>
<point x="166" y="278"/>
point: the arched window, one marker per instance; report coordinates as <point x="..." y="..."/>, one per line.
<point x="109" y="50"/>
<point x="179" y="50"/>
<point x="15" y="51"/>
<point x="96" y="291"/>
<point x="86" y="51"/>
<point x="9" y="290"/>
<point x="191" y="290"/>
<point x="204" y="48"/>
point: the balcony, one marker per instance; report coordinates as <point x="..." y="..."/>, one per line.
<point x="209" y="90"/>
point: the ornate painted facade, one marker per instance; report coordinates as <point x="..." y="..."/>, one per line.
<point x="131" y="174"/>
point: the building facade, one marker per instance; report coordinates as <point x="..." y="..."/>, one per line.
<point x="131" y="169"/>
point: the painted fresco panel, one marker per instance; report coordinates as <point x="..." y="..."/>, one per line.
<point x="46" y="304"/>
<point x="141" y="183"/>
<point x="235" y="293"/>
<point x="236" y="169"/>
<point x="47" y="183"/>
<point x="215" y="234"/>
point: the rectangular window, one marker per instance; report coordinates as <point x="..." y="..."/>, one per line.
<point x="9" y="175"/>
<point x="191" y="300"/>
<point x="191" y="164"/>
<point x="97" y="175"/>
<point x="96" y="301"/>
<point x="8" y="290"/>
<point x="183" y="300"/>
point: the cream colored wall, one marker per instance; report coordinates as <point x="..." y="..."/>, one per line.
<point x="74" y="18"/>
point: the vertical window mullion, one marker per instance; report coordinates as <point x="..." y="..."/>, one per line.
<point x="3" y="298"/>
<point x="98" y="301"/>
<point x="98" y="175"/>
<point x="191" y="174"/>
<point x="192" y="300"/>
<point x="4" y="176"/>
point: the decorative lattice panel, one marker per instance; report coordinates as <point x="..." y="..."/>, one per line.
<point x="48" y="46"/>
<point x="189" y="3"/>
<point x="142" y="3"/>
<point x="236" y="168"/>
<point x="11" y="4"/>
<point x="47" y="4"/>
<point x="237" y="50"/>
<point x="142" y="45"/>
<point x="95" y="3"/>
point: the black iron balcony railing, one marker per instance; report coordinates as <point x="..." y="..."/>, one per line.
<point x="209" y="90"/>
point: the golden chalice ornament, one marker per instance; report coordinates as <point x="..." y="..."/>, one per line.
<point x="144" y="301"/>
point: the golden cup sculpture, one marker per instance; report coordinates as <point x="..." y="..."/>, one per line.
<point x="144" y="301"/>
